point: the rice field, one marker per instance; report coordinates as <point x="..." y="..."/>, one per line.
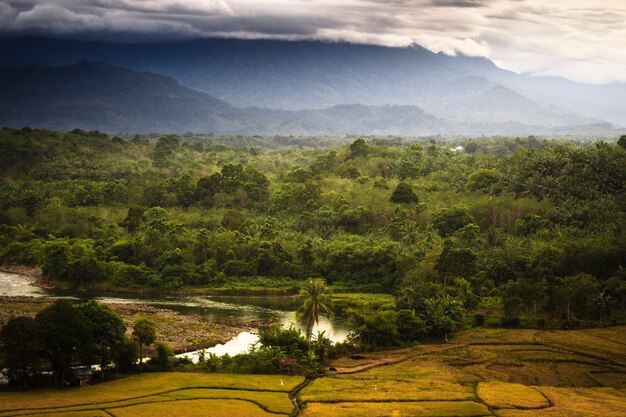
<point x="501" y="373"/>
<point x="172" y="394"/>
<point x="484" y="372"/>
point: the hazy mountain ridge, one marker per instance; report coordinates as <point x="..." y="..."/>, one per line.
<point x="95" y="95"/>
<point x="313" y="75"/>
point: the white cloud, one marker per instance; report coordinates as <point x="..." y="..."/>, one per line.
<point x="578" y="39"/>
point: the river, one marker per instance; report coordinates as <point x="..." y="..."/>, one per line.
<point x="219" y="309"/>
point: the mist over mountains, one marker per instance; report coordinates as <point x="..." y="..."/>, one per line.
<point x="267" y="87"/>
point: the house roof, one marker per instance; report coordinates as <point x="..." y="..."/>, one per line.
<point x="82" y="372"/>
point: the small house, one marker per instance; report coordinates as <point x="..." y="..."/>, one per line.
<point x="80" y="376"/>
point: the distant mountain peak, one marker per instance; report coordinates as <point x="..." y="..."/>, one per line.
<point x="465" y="94"/>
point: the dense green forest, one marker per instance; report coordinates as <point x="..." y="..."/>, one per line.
<point x="536" y="226"/>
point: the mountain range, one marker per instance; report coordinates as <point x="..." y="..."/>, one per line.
<point x="280" y="87"/>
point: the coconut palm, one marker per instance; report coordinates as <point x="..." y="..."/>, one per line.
<point x="316" y="301"/>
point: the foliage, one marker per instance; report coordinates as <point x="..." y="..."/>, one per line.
<point x="62" y="335"/>
<point x="509" y="217"/>
<point x="373" y="328"/>
<point x="107" y="329"/>
<point x="316" y="301"/>
<point x="289" y="340"/>
<point x="144" y="332"/>
<point x="449" y="220"/>
<point x="20" y="350"/>
<point x="66" y="336"/>
<point x="403" y="194"/>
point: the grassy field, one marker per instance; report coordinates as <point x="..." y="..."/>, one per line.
<point x="485" y="372"/>
<point x="161" y="394"/>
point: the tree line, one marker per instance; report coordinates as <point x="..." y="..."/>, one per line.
<point x="64" y="335"/>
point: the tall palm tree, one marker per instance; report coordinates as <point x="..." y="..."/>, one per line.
<point x="316" y="301"/>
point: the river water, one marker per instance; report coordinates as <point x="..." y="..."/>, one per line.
<point x="219" y="309"/>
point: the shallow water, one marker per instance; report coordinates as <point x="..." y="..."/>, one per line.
<point x="15" y="285"/>
<point x="219" y="309"/>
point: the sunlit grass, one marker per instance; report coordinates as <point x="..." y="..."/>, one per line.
<point x="143" y="385"/>
<point x="504" y="395"/>
<point x="276" y="402"/>
<point x="194" y="408"/>
<point x="576" y="402"/>
<point x="363" y="298"/>
<point x="98" y="406"/>
<point x="397" y="409"/>
<point x="336" y="390"/>
<point x="90" y="413"/>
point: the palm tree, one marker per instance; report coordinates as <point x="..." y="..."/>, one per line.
<point x="317" y="301"/>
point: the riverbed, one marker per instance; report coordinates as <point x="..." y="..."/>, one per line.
<point x="217" y="309"/>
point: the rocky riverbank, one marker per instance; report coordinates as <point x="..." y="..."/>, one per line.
<point x="182" y="332"/>
<point x="33" y="271"/>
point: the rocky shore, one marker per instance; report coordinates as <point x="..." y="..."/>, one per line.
<point x="182" y="332"/>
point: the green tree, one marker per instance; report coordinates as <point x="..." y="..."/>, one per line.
<point x="107" y="329"/>
<point x="126" y="359"/>
<point x="321" y="345"/>
<point x="456" y="261"/>
<point x="373" y="328"/>
<point x="359" y="148"/>
<point x="134" y="218"/>
<point x="144" y="331"/>
<point x="449" y="220"/>
<point x="575" y="294"/>
<point x="66" y="336"/>
<point x="164" y="359"/>
<point x="20" y="350"/>
<point x="482" y="179"/>
<point x="316" y="301"/>
<point x="289" y="340"/>
<point x="443" y="315"/>
<point x="403" y="194"/>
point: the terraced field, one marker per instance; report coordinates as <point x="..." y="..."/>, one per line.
<point x="162" y="394"/>
<point x="502" y="373"/>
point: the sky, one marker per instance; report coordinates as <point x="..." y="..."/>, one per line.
<point x="583" y="40"/>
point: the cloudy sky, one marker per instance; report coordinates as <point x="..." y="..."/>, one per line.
<point x="584" y="40"/>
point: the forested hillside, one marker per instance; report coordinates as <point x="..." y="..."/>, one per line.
<point x="95" y="95"/>
<point x="296" y="75"/>
<point x="541" y="224"/>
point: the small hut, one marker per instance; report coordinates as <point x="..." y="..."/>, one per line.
<point x="80" y="376"/>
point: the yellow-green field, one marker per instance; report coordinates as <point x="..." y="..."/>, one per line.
<point x="167" y="394"/>
<point x="487" y="372"/>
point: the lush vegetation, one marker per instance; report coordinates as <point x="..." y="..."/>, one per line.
<point x="516" y="231"/>
<point x="62" y="335"/>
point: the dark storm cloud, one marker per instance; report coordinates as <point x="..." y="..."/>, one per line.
<point x="580" y="39"/>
